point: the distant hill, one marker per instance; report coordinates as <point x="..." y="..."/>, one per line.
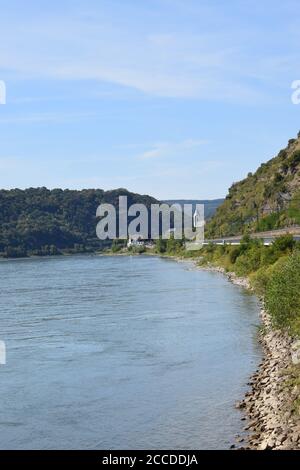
<point x="265" y="200"/>
<point x="38" y="221"/>
<point x="210" y="206"/>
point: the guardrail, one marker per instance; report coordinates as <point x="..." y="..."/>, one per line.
<point x="267" y="237"/>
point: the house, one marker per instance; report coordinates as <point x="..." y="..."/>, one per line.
<point x="134" y="241"/>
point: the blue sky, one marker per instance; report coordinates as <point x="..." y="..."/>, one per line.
<point x="173" y="98"/>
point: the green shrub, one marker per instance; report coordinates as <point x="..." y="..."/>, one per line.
<point x="139" y="250"/>
<point x="283" y="294"/>
<point x="259" y="280"/>
<point x="284" y="243"/>
<point x="268" y="222"/>
<point x="294" y="159"/>
<point x="234" y="253"/>
<point x="248" y="262"/>
<point x="161" y="246"/>
<point x="173" y="245"/>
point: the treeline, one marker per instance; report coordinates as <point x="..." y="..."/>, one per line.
<point x="39" y="221"/>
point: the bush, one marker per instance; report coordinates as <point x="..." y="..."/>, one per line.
<point x="138" y="250"/>
<point x="284" y="243"/>
<point x="161" y="246"/>
<point x="283" y="294"/>
<point x="248" y="262"/>
<point x="234" y="253"/>
<point x="259" y="280"/>
<point x="268" y="222"/>
<point x="15" y="252"/>
<point x="173" y="245"/>
<point x="294" y="159"/>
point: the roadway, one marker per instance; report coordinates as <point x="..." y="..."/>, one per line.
<point x="267" y="237"/>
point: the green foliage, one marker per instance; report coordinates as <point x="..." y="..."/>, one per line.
<point x="41" y="222"/>
<point x="284" y="244"/>
<point x="273" y="271"/>
<point x="262" y="201"/>
<point x="137" y="250"/>
<point x="294" y="159"/>
<point x="118" y="245"/>
<point x="294" y="208"/>
<point x="248" y="262"/>
<point x="251" y="258"/>
<point x="170" y="246"/>
<point x="260" y="279"/>
<point x="283" y="295"/>
<point x="161" y="246"/>
<point x="269" y="222"/>
<point x="234" y="253"/>
<point x="174" y="246"/>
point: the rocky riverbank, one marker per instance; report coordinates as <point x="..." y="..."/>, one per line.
<point x="272" y="405"/>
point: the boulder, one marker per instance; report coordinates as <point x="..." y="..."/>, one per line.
<point x="295" y="352"/>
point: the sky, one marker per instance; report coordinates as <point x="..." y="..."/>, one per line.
<point x="172" y="98"/>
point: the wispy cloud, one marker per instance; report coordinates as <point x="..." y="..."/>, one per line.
<point x="168" y="149"/>
<point x="59" y="117"/>
<point x="220" y="63"/>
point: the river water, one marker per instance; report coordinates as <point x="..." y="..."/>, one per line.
<point x="122" y="353"/>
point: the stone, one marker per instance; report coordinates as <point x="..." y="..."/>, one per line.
<point x="295" y="352"/>
<point x="263" y="445"/>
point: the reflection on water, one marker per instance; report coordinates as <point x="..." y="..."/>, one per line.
<point x="122" y="352"/>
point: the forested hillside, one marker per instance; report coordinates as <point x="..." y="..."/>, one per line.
<point x="38" y="221"/>
<point x="265" y="200"/>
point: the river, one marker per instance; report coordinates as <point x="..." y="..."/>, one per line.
<point x="117" y="352"/>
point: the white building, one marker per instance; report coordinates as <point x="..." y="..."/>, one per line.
<point x="134" y="242"/>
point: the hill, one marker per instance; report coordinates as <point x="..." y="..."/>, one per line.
<point x="265" y="200"/>
<point x="39" y="221"/>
